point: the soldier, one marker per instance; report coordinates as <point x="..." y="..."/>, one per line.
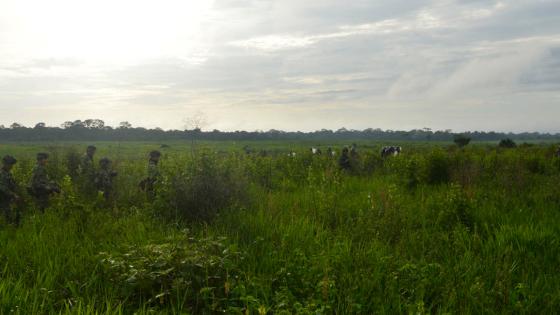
<point x="41" y="187"/>
<point x="8" y="190"/>
<point x="354" y="151"/>
<point x="344" y="161"/>
<point x="148" y="184"/>
<point x="354" y="157"/>
<point x="87" y="173"/>
<point x="104" y="178"/>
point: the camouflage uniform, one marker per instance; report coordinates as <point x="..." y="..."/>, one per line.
<point x="344" y="161"/>
<point x="148" y="183"/>
<point x="8" y="188"/>
<point x="87" y="175"/>
<point x="354" y="157"/>
<point x="87" y="168"/>
<point x="42" y="187"/>
<point x="104" y="180"/>
<point x="153" y="177"/>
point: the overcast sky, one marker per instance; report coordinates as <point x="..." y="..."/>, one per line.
<point x="289" y="64"/>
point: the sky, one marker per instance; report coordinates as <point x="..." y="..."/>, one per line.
<point x="290" y="64"/>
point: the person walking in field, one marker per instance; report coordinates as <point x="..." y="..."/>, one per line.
<point x="104" y="179"/>
<point x="41" y="187"/>
<point x="86" y="172"/>
<point x="149" y="183"/>
<point x="344" y="160"/>
<point x="8" y="190"/>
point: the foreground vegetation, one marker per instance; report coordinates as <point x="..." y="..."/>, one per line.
<point x="435" y="230"/>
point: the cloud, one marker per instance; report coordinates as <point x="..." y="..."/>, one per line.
<point x="305" y="65"/>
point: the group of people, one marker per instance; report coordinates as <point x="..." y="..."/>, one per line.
<point x="91" y="182"/>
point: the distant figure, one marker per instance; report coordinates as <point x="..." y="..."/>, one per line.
<point x="104" y="179"/>
<point x="292" y="154"/>
<point x="354" y="151"/>
<point x="331" y="152"/>
<point x="390" y="151"/>
<point x="344" y="160"/>
<point x="8" y="190"/>
<point x="149" y="183"/>
<point x="41" y="187"/>
<point x="86" y="172"/>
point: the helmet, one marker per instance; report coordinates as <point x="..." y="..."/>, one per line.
<point x="104" y="161"/>
<point x="9" y="160"/>
<point x="42" y="156"/>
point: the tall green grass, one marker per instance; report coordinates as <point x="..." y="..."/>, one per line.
<point x="435" y="230"/>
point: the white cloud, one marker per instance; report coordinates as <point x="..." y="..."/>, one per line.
<point x="287" y="65"/>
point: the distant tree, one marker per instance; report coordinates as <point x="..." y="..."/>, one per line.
<point x="194" y="124"/>
<point x="507" y="143"/>
<point x="40" y="125"/>
<point x="2" y="127"/>
<point x="461" y="140"/>
<point x="428" y="132"/>
<point x="125" y="125"/>
<point x="16" y="125"/>
<point x="94" y="123"/>
<point x="66" y="125"/>
<point x="98" y="124"/>
<point x="78" y="124"/>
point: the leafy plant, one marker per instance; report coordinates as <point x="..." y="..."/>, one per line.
<point x="461" y="140"/>
<point x="507" y="143"/>
<point x="196" y="274"/>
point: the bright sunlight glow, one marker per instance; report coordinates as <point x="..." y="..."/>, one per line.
<point x="107" y="30"/>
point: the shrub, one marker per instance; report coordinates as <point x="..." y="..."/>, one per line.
<point x="461" y="140"/>
<point x="456" y="210"/>
<point x="535" y="164"/>
<point x="372" y="162"/>
<point x="206" y="186"/>
<point x="507" y="143"/>
<point x="437" y="168"/>
<point x="412" y="173"/>
<point x="195" y="274"/>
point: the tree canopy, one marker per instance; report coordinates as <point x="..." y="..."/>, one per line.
<point x="97" y="130"/>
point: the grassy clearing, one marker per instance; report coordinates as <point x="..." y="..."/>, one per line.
<point x="436" y="230"/>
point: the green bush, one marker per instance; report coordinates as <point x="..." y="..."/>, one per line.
<point x="206" y="186"/>
<point x="461" y="140"/>
<point x="535" y="164"/>
<point x="437" y="168"/>
<point x="194" y="274"/>
<point x="412" y="173"/>
<point x="507" y="143"/>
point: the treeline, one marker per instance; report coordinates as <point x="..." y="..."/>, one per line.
<point x="96" y="130"/>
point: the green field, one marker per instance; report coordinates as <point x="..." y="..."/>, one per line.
<point x="435" y="230"/>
